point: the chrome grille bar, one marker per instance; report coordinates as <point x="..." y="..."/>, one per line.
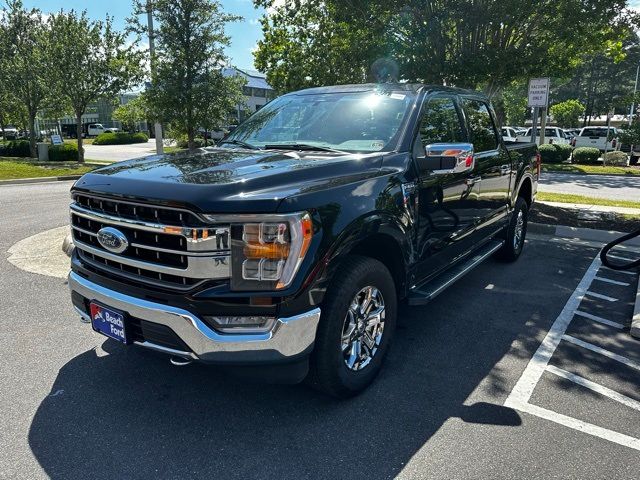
<point x="163" y="249"/>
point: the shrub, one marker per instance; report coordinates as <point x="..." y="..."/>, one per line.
<point x="67" y="152"/>
<point x="120" y="138"/>
<point x="550" y="154"/>
<point x="586" y="155"/>
<point x="15" y="148"/>
<point x="618" y="158"/>
<point x="199" y="141"/>
<point x="565" y="150"/>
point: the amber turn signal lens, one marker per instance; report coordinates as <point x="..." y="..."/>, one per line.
<point x="266" y="250"/>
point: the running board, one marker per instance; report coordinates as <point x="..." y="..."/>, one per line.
<point x="423" y="294"/>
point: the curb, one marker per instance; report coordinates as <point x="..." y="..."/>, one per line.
<point x="576" y="233"/>
<point x="22" y="181"/>
<point x="635" y="320"/>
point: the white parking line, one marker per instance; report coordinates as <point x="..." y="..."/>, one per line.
<point x="607" y="392"/>
<point x="613" y="282"/>
<point x="579" y="425"/>
<point x="626" y="272"/>
<point x="595" y="318"/>
<point x="594" y="348"/>
<point x="601" y="297"/>
<point x="523" y="390"/>
<point x="539" y="363"/>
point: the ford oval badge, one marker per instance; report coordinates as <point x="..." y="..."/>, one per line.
<point x="112" y="239"/>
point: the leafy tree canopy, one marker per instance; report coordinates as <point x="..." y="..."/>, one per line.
<point x="189" y="45"/>
<point x="92" y="61"/>
<point x="457" y="42"/>
<point x="567" y="113"/>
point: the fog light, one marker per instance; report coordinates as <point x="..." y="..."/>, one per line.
<point x="244" y="324"/>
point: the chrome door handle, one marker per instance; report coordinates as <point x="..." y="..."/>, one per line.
<point x="505" y="169"/>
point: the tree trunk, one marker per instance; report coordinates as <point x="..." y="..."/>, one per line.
<point x="79" y="133"/>
<point x="32" y="135"/>
<point x="191" y="138"/>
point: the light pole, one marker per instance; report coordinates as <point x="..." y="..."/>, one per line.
<point x="152" y="64"/>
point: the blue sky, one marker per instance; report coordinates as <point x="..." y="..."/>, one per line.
<point x="244" y="34"/>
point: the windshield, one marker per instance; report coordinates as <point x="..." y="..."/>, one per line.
<point x="353" y="122"/>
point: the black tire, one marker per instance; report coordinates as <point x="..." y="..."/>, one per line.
<point x="514" y="244"/>
<point x="329" y="371"/>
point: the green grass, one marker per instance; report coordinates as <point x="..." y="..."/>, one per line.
<point x="589" y="169"/>
<point x="14" y="168"/>
<point x="566" y="198"/>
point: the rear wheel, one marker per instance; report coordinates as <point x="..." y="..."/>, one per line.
<point x="516" y="232"/>
<point x="356" y="327"/>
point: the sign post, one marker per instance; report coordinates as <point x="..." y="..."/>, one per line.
<point x="538" y="99"/>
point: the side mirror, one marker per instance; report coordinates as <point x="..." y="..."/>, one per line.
<point x="445" y="158"/>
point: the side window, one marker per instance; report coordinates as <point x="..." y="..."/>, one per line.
<point x="440" y="122"/>
<point x="481" y="128"/>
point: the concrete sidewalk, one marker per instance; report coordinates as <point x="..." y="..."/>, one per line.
<point x="593" y="208"/>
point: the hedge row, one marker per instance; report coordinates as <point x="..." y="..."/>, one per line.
<point x="67" y="152"/>
<point x="555" y="153"/>
<point x="586" y="155"/>
<point x="120" y="138"/>
<point x="15" y="148"/>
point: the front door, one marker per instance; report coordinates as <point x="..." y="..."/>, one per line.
<point x="493" y="165"/>
<point x="447" y="204"/>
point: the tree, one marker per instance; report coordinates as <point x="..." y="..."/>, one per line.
<point x="514" y="104"/>
<point x="189" y="41"/>
<point x="24" y="43"/>
<point x="457" y="42"/>
<point x="221" y="96"/>
<point x="92" y="61"/>
<point x="132" y="112"/>
<point x="567" y="113"/>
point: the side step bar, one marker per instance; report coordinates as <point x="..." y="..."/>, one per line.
<point x="423" y="294"/>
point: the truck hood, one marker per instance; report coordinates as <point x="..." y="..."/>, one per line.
<point x="214" y="180"/>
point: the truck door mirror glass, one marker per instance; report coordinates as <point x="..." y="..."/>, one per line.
<point x="444" y="158"/>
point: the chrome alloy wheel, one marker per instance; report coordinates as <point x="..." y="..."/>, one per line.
<point x="519" y="231"/>
<point x="363" y="328"/>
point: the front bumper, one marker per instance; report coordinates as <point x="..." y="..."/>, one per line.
<point x="289" y="339"/>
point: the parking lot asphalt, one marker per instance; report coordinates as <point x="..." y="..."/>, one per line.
<point x="76" y="405"/>
<point x="615" y="187"/>
<point x="119" y="153"/>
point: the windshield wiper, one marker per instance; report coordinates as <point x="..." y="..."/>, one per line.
<point x="300" y="146"/>
<point x="240" y="143"/>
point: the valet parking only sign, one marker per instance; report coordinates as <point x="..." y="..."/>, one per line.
<point x="538" y="92"/>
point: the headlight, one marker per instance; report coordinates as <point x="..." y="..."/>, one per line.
<point x="267" y="250"/>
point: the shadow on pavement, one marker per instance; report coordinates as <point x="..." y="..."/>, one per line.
<point x="129" y="414"/>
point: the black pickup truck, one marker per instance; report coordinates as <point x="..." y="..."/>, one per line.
<point x="285" y="250"/>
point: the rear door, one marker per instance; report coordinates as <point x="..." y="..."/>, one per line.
<point x="447" y="206"/>
<point x="493" y="166"/>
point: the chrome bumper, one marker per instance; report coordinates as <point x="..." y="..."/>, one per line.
<point x="288" y="338"/>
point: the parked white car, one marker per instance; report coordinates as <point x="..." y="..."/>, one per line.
<point x="509" y="134"/>
<point x="551" y="135"/>
<point x="597" y="137"/>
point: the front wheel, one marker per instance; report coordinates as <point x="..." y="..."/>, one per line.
<point x="516" y="232"/>
<point x="356" y="327"/>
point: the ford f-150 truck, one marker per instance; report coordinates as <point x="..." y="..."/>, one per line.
<point x="285" y="249"/>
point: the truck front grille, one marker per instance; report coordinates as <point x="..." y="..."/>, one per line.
<point x="167" y="247"/>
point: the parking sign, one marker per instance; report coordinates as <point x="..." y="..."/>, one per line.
<point x="538" y="92"/>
